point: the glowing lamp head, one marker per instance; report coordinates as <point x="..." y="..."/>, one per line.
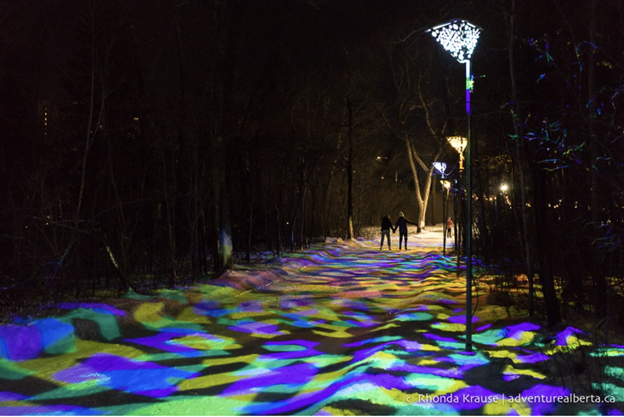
<point x="458" y="37"/>
<point x="458" y="143"/>
<point x="440" y="167"/>
<point x="504" y="187"/>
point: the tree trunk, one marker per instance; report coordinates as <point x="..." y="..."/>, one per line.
<point x="518" y="134"/>
<point x="543" y="248"/>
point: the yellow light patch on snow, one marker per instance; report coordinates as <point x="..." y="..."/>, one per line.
<point x="490" y="314"/>
<point x="504" y="408"/>
<point x="201" y="405"/>
<point x="46" y="367"/>
<point x="189" y="315"/>
<point x="383" y="360"/>
<point x="197" y="342"/>
<point x="229" y="360"/>
<point x="208" y="381"/>
<point x="440" y="384"/>
<point x="149" y="312"/>
<point x="551" y="350"/>
<point x="450" y="327"/>
<point x="503" y="354"/>
<point x="430" y="348"/>
<point x="333" y="411"/>
<point x="526" y="338"/>
<point x="426" y="362"/>
<point x="510" y="370"/>
<point x="337" y="334"/>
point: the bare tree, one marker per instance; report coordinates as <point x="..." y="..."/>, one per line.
<point x="416" y="107"/>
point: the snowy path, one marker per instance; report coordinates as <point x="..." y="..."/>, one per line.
<point x="340" y="329"/>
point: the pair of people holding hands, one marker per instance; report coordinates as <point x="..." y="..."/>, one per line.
<point x="401" y="224"/>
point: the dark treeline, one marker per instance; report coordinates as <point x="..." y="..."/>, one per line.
<point x="147" y="144"/>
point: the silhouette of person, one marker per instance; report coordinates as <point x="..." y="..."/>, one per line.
<point x="401" y="224"/>
<point x="386" y="225"/>
<point x="449" y="227"/>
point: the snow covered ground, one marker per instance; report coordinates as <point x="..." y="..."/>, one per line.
<point x="340" y="329"/>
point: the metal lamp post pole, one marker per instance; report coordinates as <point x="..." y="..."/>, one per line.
<point x="459" y="38"/>
<point x="468" y="231"/>
<point x="441" y="168"/>
<point x="443" y="218"/>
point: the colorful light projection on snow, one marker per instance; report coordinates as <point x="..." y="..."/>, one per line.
<point x="346" y="330"/>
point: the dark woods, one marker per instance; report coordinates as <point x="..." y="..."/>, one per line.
<point x="148" y="144"/>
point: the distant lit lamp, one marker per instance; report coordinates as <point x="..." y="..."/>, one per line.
<point x="504" y="187"/>
<point x="447" y="187"/>
<point x="440" y="167"/>
<point x="459" y="38"/>
<point x="459" y="144"/>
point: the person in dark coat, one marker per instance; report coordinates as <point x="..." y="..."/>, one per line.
<point x="401" y="224"/>
<point x="386" y="226"/>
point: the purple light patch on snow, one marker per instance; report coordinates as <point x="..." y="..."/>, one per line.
<point x="21" y="343"/>
<point x="257" y="327"/>
<point x="482" y="328"/>
<point x="11" y="396"/>
<point x="569" y="332"/>
<point x="365" y="324"/>
<point x="539" y="407"/>
<point x="462" y="319"/>
<point x="294" y="303"/>
<point x="408" y="345"/>
<point x="439" y="338"/>
<point x="120" y="373"/>
<point x="205" y="305"/>
<point x="308" y="312"/>
<point x="458" y="310"/>
<point x="251" y="307"/>
<point x="510" y="377"/>
<point x="516" y="331"/>
<point x="304" y="343"/>
<point x="536" y="357"/>
<point x="65" y="410"/>
<point x="446" y="301"/>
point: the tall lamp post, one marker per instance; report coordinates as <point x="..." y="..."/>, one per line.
<point x="447" y="189"/>
<point x="459" y="144"/>
<point x="459" y="38"/>
<point x="441" y="168"/>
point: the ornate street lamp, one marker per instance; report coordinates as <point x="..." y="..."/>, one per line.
<point x="459" y="144"/>
<point x="440" y="167"/>
<point x="459" y="38"/>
